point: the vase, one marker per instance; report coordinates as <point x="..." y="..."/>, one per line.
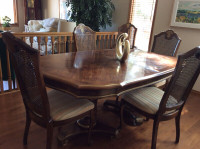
<point x="122" y="47"/>
<point x="6" y="29"/>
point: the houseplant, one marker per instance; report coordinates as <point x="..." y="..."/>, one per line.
<point x="6" y="23"/>
<point x="92" y="13"/>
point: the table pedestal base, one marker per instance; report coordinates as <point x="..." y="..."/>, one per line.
<point x="130" y="118"/>
<point x="112" y="105"/>
<point x="73" y="129"/>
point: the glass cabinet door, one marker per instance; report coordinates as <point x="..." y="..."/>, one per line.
<point x="32" y="10"/>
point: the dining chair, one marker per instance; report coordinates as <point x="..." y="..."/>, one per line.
<point x="131" y="30"/>
<point x="160" y="105"/>
<point x="47" y="109"/>
<point x="166" y="43"/>
<point x="85" y="38"/>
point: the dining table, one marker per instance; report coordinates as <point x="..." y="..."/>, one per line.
<point x="97" y="74"/>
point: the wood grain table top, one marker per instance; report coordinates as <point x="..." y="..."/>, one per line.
<point x="98" y="74"/>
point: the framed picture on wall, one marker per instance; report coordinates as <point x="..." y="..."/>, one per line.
<point x="186" y="13"/>
<point x="64" y="11"/>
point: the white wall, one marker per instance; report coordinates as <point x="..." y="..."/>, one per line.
<point x="120" y="15"/>
<point x="189" y="37"/>
<point x="50" y="8"/>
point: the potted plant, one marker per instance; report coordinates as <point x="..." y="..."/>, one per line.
<point x="6" y="23"/>
<point x="92" y="13"/>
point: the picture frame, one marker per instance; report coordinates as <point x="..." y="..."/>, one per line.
<point x="186" y="13"/>
<point x="64" y="11"/>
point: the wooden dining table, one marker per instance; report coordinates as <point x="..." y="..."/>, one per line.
<point x="98" y="74"/>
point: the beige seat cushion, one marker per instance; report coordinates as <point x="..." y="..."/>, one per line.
<point x="64" y="106"/>
<point x="147" y="99"/>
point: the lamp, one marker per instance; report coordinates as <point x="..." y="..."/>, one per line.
<point x="64" y="26"/>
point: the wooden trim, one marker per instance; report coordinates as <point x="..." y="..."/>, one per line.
<point x="16" y="16"/>
<point x="152" y="27"/>
<point x="130" y="11"/>
<point x="59" y="8"/>
<point x="25" y="10"/>
<point x="13" y="25"/>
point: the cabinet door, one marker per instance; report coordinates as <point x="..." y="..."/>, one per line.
<point x="32" y="10"/>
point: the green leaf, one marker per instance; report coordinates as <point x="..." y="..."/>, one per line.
<point x="93" y="13"/>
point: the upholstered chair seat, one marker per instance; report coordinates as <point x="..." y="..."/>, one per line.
<point x="64" y="106"/>
<point x="147" y="99"/>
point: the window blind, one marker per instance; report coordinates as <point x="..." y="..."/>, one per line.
<point x="141" y="15"/>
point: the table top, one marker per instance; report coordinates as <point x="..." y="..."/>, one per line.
<point x="98" y="74"/>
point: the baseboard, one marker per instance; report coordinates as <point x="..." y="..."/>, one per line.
<point x="196" y="92"/>
<point x="9" y="92"/>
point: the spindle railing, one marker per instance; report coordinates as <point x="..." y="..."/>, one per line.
<point x="47" y="43"/>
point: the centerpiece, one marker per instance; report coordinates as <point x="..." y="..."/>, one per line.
<point x="122" y="47"/>
<point x="6" y="23"/>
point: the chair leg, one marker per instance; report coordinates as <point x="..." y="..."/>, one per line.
<point x="91" y="126"/>
<point x="26" y="131"/>
<point x="177" y="120"/>
<point x="154" y="133"/>
<point x="121" y="116"/>
<point x="49" y="136"/>
<point x="95" y="109"/>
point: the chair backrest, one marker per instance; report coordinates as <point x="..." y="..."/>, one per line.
<point x="186" y="73"/>
<point x="25" y="61"/>
<point x="85" y="38"/>
<point x="131" y="30"/>
<point x="166" y="43"/>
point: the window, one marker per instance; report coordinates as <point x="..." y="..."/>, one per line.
<point x="8" y="8"/>
<point x="142" y="15"/>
